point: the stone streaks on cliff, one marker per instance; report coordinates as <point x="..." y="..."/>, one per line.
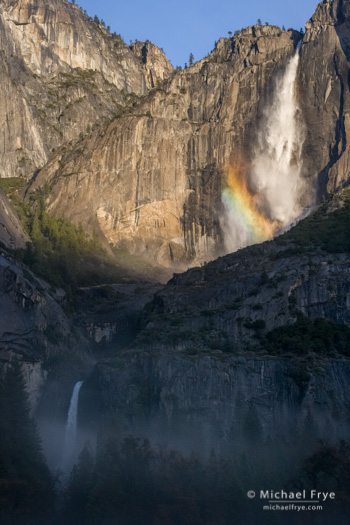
<point x="208" y="399"/>
<point x="154" y="62"/>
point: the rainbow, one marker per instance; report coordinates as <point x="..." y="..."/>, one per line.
<point x="250" y="224"/>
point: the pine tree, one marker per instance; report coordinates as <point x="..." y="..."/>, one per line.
<point x="28" y="484"/>
<point x="79" y="488"/>
<point x="36" y="229"/>
<point x="191" y="59"/>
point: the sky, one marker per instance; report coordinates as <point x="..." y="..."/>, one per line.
<point x="182" y="27"/>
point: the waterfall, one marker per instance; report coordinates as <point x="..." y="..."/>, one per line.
<point x="276" y="166"/>
<point x="71" y="428"/>
<point x="270" y="194"/>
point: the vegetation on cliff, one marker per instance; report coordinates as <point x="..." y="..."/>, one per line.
<point x="319" y="335"/>
<point x="327" y="228"/>
<point x="62" y="253"/>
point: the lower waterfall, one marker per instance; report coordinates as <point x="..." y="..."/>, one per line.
<point x="71" y="428"/>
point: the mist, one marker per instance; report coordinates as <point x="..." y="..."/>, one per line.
<point x="263" y="198"/>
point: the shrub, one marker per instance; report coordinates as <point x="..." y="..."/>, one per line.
<point x="319" y="335"/>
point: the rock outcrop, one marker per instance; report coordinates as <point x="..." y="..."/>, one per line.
<point x="61" y="74"/>
<point x="324" y="94"/>
<point x="155" y="64"/>
<point x="110" y="316"/>
<point x="232" y="302"/>
<point x="33" y="326"/>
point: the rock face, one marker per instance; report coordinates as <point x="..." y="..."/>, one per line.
<point x="324" y="94"/>
<point x="155" y="64"/>
<point x="151" y="181"/>
<point x="205" y="403"/>
<point x="234" y="300"/>
<point x="110" y="316"/>
<point x="33" y="326"/>
<point x="230" y="303"/>
<point x="61" y="74"/>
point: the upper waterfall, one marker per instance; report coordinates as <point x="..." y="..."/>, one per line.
<point x="264" y="198"/>
<point x="276" y="166"/>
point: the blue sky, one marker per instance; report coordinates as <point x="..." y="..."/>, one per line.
<point x="192" y="26"/>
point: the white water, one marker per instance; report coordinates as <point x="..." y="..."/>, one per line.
<point x="276" y="167"/>
<point x="71" y="429"/>
<point x="274" y="177"/>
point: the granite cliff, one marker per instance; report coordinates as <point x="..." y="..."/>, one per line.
<point x="33" y="326"/>
<point x="62" y="74"/>
<point x="153" y="178"/>
<point x="324" y="94"/>
<point x="203" y="403"/>
<point x="150" y="181"/>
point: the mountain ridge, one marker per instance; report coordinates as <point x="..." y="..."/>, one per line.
<point x="156" y="189"/>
